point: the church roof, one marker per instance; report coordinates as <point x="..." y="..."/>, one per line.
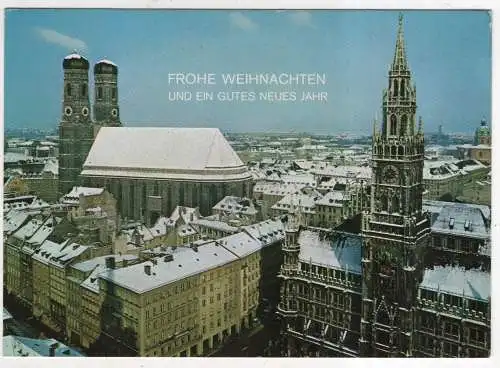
<point x="164" y="153"/>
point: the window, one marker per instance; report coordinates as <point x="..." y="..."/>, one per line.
<point x="84" y="90"/>
<point x="68" y="89"/>
<point x="393" y="125"/>
<point x="113" y="93"/>
<point x="451" y="329"/>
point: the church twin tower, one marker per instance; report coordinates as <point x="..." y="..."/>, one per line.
<point x="78" y="129"/>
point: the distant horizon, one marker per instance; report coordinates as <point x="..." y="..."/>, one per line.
<point x="272" y="132"/>
<point x="449" y="54"/>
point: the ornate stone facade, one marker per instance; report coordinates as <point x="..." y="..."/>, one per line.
<point x="395" y="230"/>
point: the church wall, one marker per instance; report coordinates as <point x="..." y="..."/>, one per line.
<point x="130" y="195"/>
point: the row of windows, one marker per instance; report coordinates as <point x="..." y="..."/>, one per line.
<point x="329" y="272"/>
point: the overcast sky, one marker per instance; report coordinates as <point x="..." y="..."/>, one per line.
<point x="449" y="55"/>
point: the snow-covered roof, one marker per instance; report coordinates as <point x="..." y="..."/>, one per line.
<point x="28" y="229"/>
<point x="89" y="265"/>
<point x="73" y="56"/>
<point x="43" y="232"/>
<point x="13" y="220"/>
<point x="214" y="224"/>
<point x="105" y="61"/>
<point x="58" y="254"/>
<point x="267" y="232"/>
<point x="333" y="199"/>
<point x="167" y="153"/>
<point x="358" y="172"/>
<point x="342" y="251"/>
<point x="306" y="202"/>
<point x="6" y="314"/>
<point x="234" y="204"/>
<point x="241" y="244"/>
<point x="162" y="226"/>
<point x="461" y="220"/>
<point x="51" y="166"/>
<point x="473" y="283"/>
<point x="25" y="346"/>
<point x="186" y="262"/>
<point x="11" y="157"/>
<point x="187" y="214"/>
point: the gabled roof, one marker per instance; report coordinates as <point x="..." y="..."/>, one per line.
<point x="164" y="153"/>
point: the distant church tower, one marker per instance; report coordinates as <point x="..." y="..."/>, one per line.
<point x="75" y="129"/>
<point x="106" y="109"/>
<point x="395" y="230"/>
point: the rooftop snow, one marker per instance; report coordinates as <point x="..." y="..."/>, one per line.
<point x="463" y="216"/>
<point x="341" y="252"/>
<point x="24" y="346"/>
<point x="89" y="265"/>
<point x="73" y="56"/>
<point x="194" y="153"/>
<point x="236" y="205"/>
<point x="13" y="220"/>
<point x="186" y="262"/>
<point x="105" y="61"/>
<point x="241" y="244"/>
<point x="76" y="192"/>
<point x="474" y="284"/>
<point x="267" y="232"/>
<point x="214" y="224"/>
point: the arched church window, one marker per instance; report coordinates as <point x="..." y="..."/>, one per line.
<point x="84" y="90"/>
<point x="113" y="93"/>
<point x="395" y="86"/>
<point x="394" y="123"/>
<point x="383" y="202"/>
<point x="404" y="125"/>
<point x="213" y="194"/>
<point x="68" y="89"/>
<point x="99" y="92"/>
<point x="403" y="89"/>
<point x="400" y="151"/>
<point x="194" y="195"/>
<point x="395" y="204"/>
<point x="393" y="151"/>
<point x="181" y="194"/>
<point x="156" y="189"/>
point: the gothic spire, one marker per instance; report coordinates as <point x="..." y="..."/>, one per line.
<point x="400" y="63"/>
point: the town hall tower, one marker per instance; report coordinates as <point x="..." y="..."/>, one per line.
<point x="395" y="229"/>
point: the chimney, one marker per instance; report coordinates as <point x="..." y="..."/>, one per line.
<point x="451" y="224"/>
<point x="52" y="349"/>
<point x="110" y="262"/>
<point x="147" y="269"/>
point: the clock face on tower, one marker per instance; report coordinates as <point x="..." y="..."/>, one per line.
<point x="390" y="175"/>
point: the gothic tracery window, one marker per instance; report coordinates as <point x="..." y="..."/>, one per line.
<point x="394" y="123"/>
<point x="404" y="124"/>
